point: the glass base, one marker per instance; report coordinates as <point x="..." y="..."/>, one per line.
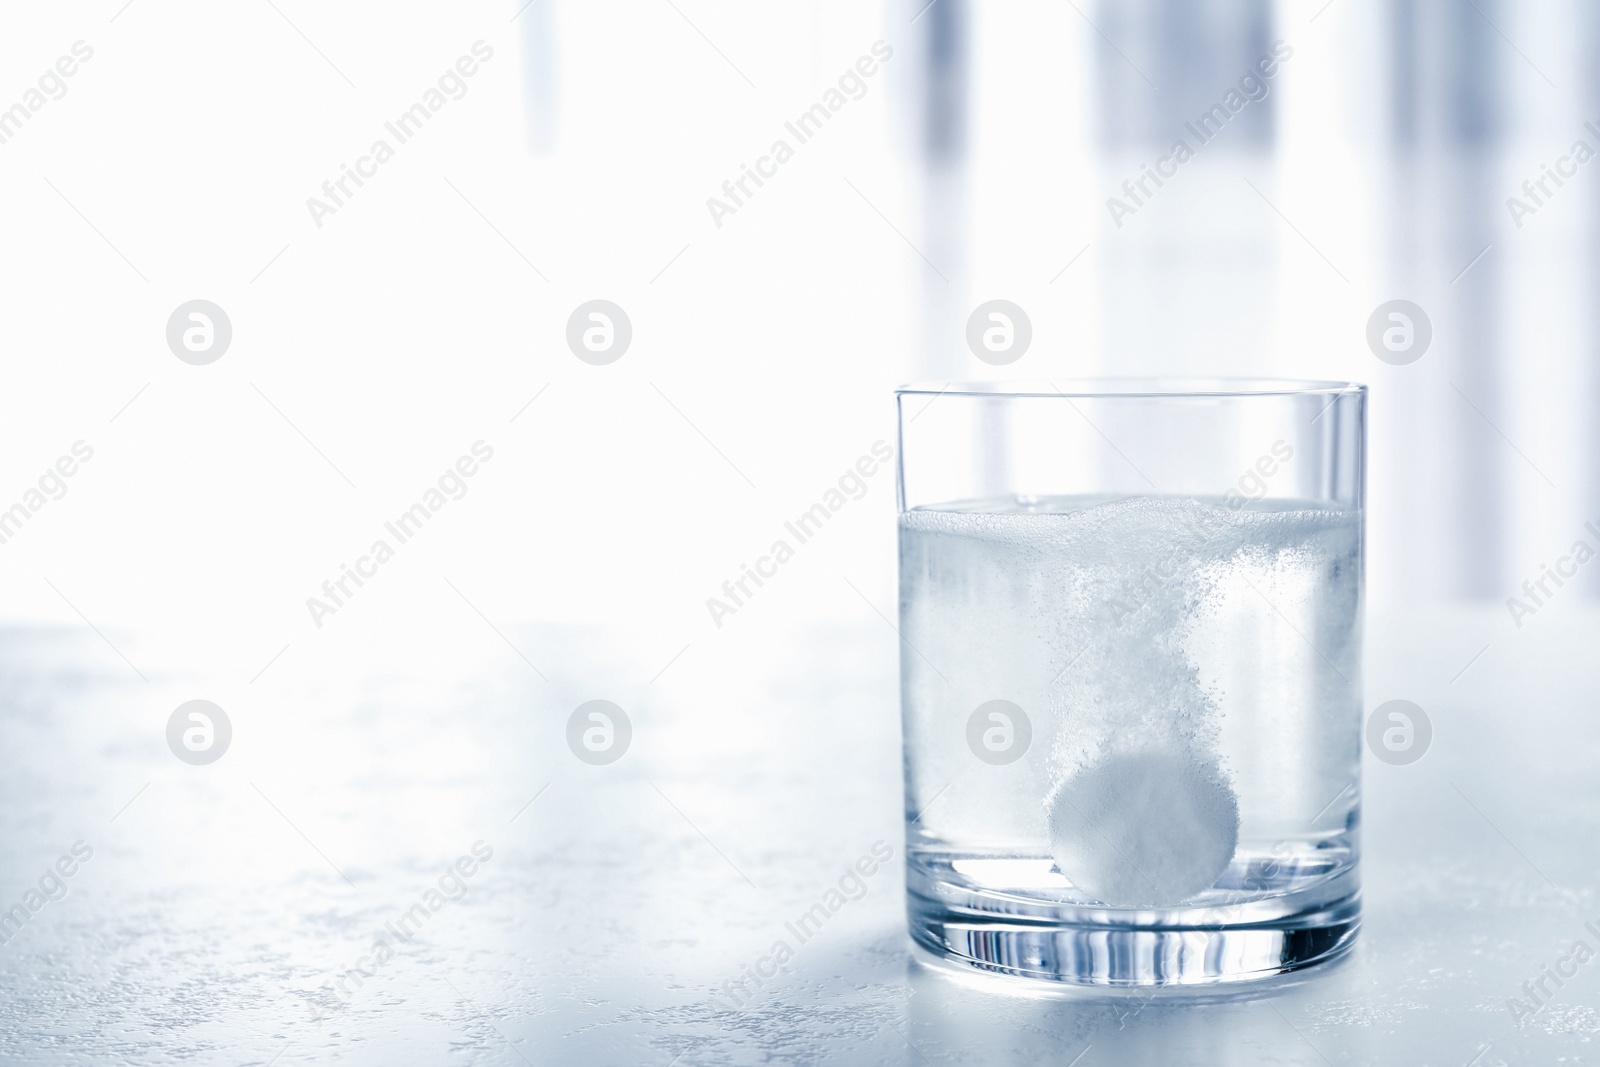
<point x="1200" y="946"/>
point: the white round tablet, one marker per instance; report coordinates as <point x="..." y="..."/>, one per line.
<point x="1150" y="828"/>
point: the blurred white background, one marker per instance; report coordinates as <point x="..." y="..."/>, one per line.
<point x="370" y="352"/>
<point x="430" y="312"/>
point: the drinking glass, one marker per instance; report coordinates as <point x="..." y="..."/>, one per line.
<point x="1131" y="675"/>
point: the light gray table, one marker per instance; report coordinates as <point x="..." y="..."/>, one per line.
<point x="616" y="904"/>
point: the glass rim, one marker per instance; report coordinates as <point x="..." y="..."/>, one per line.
<point x="1135" y="388"/>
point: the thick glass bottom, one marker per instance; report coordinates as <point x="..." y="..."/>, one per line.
<point x="1237" y="939"/>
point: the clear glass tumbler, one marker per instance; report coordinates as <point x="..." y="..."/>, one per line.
<point x="1131" y="675"/>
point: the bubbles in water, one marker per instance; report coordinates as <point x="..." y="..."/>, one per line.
<point x="1159" y="646"/>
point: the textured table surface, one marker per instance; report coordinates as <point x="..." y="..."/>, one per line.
<point x="219" y="901"/>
